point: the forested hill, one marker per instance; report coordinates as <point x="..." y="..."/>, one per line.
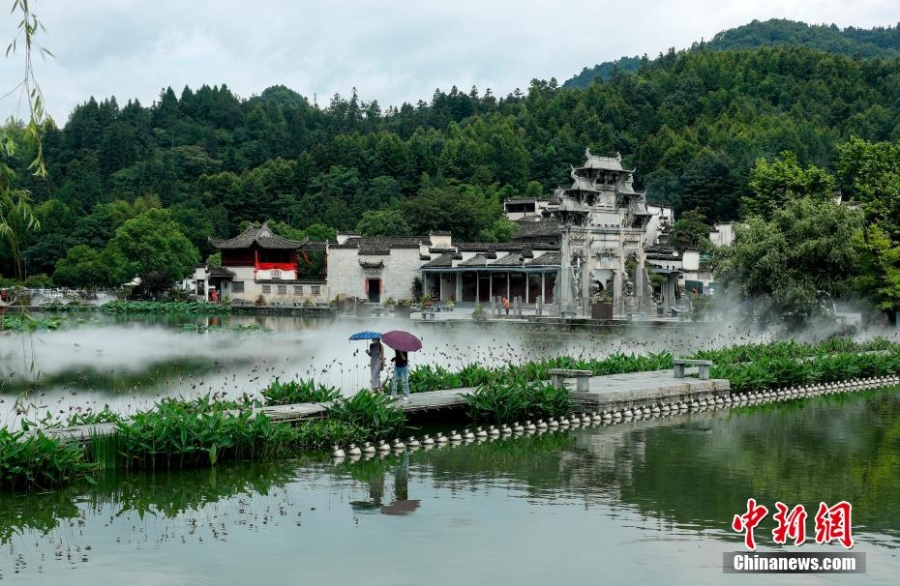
<point x="867" y="43"/>
<point x="693" y="125"/>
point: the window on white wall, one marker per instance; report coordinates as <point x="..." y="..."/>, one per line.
<point x="267" y="289"/>
<point x="237" y="286"/>
<point x="282" y="289"/>
<point x="298" y="289"/>
<point x="276" y="273"/>
<point x="315" y="289"/>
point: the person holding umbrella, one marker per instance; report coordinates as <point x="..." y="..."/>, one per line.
<point x="402" y="342"/>
<point x="376" y="363"/>
<point x="401" y="373"/>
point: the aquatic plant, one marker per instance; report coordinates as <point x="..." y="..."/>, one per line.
<point x="322" y="434"/>
<point x="474" y="375"/>
<point x="37" y="461"/>
<point x="90" y="417"/>
<point x="507" y="402"/>
<point x="298" y="391"/>
<point x="765" y="372"/>
<point x="377" y="413"/>
<point x="432" y="378"/>
<point x="29" y="323"/>
<point x="167" y="307"/>
<point x="174" y="435"/>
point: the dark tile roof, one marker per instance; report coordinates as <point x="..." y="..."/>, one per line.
<point x="662" y="252"/>
<point x="532" y="229"/>
<point x="220" y="273"/>
<point x="488" y="246"/>
<point x="606" y="163"/>
<point x="443" y="261"/>
<point x="476" y="261"/>
<point x="663" y="257"/>
<point x="547" y="259"/>
<point x="262" y="236"/>
<point x="379" y="244"/>
<point x="510" y="260"/>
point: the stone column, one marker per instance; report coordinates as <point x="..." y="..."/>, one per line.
<point x="639" y="286"/>
<point x="563" y="280"/>
<point x="586" y="272"/>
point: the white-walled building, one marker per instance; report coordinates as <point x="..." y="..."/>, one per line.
<point x="260" y="264"/>
<point x="378" y="268"/>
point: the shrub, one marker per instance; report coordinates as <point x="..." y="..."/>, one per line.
<point x="300" y="391"/>
<point x="517" y="400"/>
<point x="376" y="413"/>
<point x="29" y="462"/>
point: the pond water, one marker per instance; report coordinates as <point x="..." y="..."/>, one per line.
<point x="129" y="363"/>
<point x="648" y="502"/>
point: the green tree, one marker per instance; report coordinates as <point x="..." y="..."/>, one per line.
<point x="775" y="184"/>
<point x="155" y="249"/>
<point x="502" y="230"/>
<point x="383" y="223"/>
<point x="879" y="268"/>
<point x="804" y="251"/>
<point x="871" y="175"/>
<point x="85" y="267"/>
<point x="463" y="210"/>
<point x="690" y="232"/>
<point x="320" y="232"/>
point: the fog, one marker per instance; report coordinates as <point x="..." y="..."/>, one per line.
<point x="131" y="366"/>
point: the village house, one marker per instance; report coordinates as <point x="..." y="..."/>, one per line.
<point x="259" y="265"/>
<point x="377" y="268"/>
<point x="598" y="236"/>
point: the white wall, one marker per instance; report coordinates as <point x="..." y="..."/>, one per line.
<point x="293" y="292"/>
<point x="723" y="235"/>
<point x="347" y="278"/>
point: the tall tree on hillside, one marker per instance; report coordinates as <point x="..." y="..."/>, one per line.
<point x="776" y="184"/>
<point x="871" y="175"/>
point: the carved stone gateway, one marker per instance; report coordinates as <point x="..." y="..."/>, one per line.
<point x="603" y="222"/>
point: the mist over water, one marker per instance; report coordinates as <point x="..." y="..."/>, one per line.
<point x="130" y="366"/>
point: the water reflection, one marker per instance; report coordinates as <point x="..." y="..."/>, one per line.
<point x="375" y="472"/>
<point x="527" y="509"/>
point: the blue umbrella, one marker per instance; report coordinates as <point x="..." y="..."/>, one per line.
<point x="367" y="335"/>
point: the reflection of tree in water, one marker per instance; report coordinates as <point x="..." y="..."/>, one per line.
<point x="165" y="494"/>
<point x="699" y="470"/>
<point x="696" y="471"/>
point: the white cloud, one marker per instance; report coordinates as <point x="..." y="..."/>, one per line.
<point x="392" y="50"/>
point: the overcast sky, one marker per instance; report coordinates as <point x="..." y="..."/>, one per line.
<point x="392" y="51"/>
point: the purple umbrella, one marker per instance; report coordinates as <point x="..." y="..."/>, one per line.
<point x="400" y="340"/>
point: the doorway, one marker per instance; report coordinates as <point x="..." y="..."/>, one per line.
<point x="373" y="287"/>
